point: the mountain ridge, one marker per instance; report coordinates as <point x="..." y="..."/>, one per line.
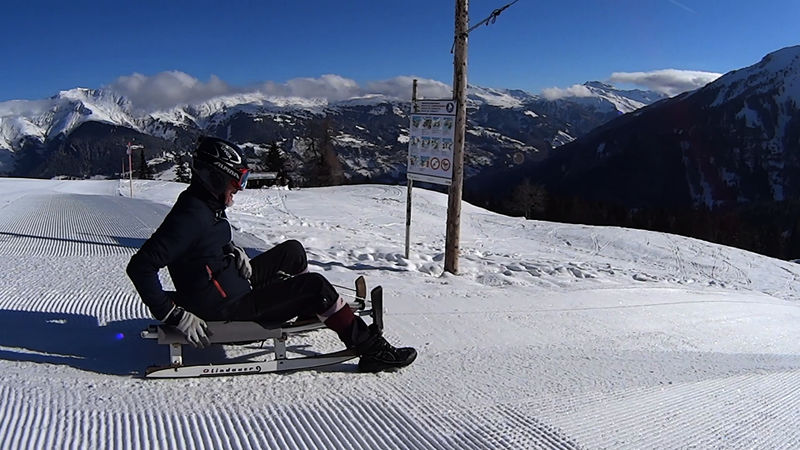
<point x="720" y="163"/>
<point x="44" y="127"/>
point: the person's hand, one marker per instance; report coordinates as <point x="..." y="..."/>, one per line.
<point x="242" y="262"/>
<point x="194" y="328"/>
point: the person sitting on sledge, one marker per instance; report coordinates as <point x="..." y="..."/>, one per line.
<point x="215" y="281"/>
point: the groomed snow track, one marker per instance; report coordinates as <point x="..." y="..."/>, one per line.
<point x="59" y="231"/>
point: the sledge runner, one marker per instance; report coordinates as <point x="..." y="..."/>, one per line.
<point x="215" y="280"/>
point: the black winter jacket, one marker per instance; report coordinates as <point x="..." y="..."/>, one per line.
<point x="193" y="243"/>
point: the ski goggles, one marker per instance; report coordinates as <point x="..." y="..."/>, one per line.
<point x="241" y="183"/>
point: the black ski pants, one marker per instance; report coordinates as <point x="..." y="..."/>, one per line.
<point x="283" y="288"/>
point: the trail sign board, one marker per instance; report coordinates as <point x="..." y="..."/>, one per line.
<point x="430" y="141"/>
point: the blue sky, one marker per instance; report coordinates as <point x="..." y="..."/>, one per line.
<point x="534" y="45"/>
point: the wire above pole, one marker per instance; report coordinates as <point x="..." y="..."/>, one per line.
<point x="487" y="21"/>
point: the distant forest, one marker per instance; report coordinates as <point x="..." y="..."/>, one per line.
<point x="771" y="229"/>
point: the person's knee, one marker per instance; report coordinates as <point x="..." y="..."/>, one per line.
<point x="297" y="253"/>
<point x="314" y="281"/>
<point x="325" y="296"/>
<point x="294" y="247"/>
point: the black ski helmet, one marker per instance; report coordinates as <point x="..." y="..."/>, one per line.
<point x="217" y="163"/>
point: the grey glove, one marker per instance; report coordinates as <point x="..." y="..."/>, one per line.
<point x="193" y="327"/>
<point x="242" y="262"/>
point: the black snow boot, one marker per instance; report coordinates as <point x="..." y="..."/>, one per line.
<point x="378" y="355"/>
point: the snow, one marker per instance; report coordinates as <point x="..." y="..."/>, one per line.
<point x="561" y="138"/>
<point x="370" y="99"/>
<point x="779" y="68"/>
<point x="750" y="116"/>
<point x="551" y="336"/>
<point x="45" y="119"/>
<point x="348" y="140"/>
<point x="604" y="97"/>
<point x="494" y="97"/>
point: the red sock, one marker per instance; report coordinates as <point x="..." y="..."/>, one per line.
<point x="341" y="321"/>
<point x="339" y="317"/>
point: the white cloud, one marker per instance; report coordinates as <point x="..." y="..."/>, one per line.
<point x="331" y="87"/>
<point x="168" y="89"/>
<point x="335" y="88"/>
<point x="401" y="87"/>
<point x="576" y="90"/>
<point x="667" y="81"/>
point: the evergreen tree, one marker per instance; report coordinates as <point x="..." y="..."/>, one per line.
<point x="183" y="174"/>
<point x="275" y="161"/>
<point x="145" y="172"/>
<point x="328" y="169"/>
<point x="528" y="199"/>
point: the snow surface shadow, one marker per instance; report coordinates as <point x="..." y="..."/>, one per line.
<point x="358" y="266"/>
<point x="126" y="242"/>
<point x="79" y="341"/>
<point x="119" y="241"/>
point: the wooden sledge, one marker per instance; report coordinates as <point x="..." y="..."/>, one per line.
<point x="246" y="332"/>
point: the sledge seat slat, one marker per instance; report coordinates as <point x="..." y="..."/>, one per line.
<point x="228" y="332"/>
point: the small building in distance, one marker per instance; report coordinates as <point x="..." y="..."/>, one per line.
<point x="261" y="179"/>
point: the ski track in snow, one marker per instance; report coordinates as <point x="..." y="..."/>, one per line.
<point x="571" y="341"/>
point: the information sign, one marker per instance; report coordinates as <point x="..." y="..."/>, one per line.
<point x="430" y="143"/>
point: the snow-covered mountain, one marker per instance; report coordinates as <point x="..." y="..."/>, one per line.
<point x="736" y="140"/>
<point x="83" y="132"/>
<point x="601" y="96"/>
<point x="732" y="147"/>
<point x="44" y="119"/>
<point x="607" y="97"/>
